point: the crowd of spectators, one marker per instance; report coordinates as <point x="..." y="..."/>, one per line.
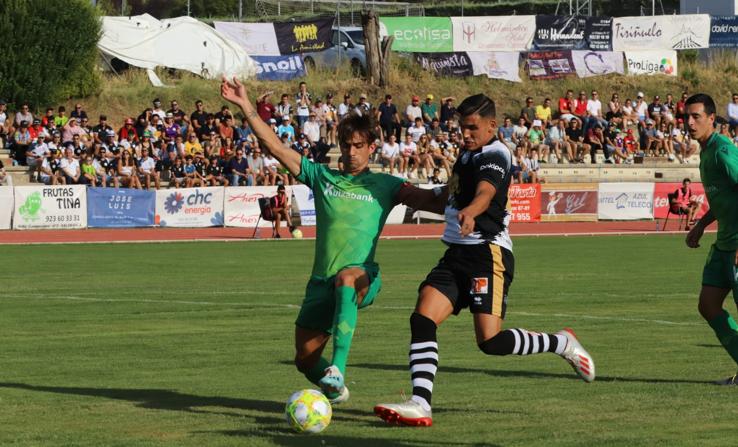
<point x="420" y="140"/>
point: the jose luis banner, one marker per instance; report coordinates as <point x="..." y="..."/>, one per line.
<point x="114" y="208"/>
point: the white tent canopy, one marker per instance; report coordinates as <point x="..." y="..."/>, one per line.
<point x="181" y="43"/>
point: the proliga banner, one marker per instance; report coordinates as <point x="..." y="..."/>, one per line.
<point x="496" y="64"/>
<point x="550" y="64"/>
<point x="56" y="207"/>
<point x="569" y="202"/>
<point x="6" y="206"/>
<point x="241" y="205"/>
<point x="305" y="203"/>
<point x="189" y="207"/>
<point x="597" y="63"/>
<point x="625" y="201"/>
<point x="525" y="202"/>
<point x="116" y="208"/>
<point x="723" y="31"/>
<point x="418" y="34"/>
<point x="678" y="32"/>
<point x="661" y="199"/>
<point x="493" y="33"/>
<point x="651" y="62"/>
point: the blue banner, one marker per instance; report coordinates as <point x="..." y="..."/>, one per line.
<point x="279" y="68"/>
<point x="111" y="208"/>
<point x="723" y="31"/>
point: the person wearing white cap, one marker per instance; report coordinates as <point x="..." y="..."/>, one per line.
<point x="641" y="109"/>
<point x="535" y="138"/>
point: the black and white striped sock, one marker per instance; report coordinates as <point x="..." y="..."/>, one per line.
<point x="423" y="358"/>
<point x="523" y="342"/>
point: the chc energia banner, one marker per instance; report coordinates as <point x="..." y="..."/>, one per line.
<point x="279" y="68"/>
<point x="493" y="33"/>
<point x="651" y="62"/>
<point x="418" y="34"/>
<point x="241" y="205"/>
<point x="573" y="33"/>
<point x="189" y="207"/>
<point x="280" y="38"/>
<point x="678" y="32"/>
<point x="625" y="201"/>
<point x="6" y="206"/>
<point x="493" y="64"/>
<point x="723" y="31"/>
<point x="120" y="208"/>
<point x="53" y="207"/>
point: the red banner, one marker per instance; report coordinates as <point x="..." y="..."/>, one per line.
<point x="661" y="200"/>
<point x="525" y="202"/>
<point x="569" y="202"/>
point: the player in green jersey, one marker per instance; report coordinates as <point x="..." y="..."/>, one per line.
<point x="719" y="172"/>
<point x="352" y="206"/>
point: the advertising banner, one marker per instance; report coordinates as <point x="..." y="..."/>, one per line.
<point x="525" y="202"/>
<point x="305" y="203"/>
<point x="496" y="64"/>
<point x="569" y="202"/>
<point x="446" y="64"/>
<point x="115" y="208"/>
<point x="418" y="34"/>
<point x="279" y="68"/>
<point x="493" y="33"/>
<point x="573" y="33"/>
<point x="304" y="36"/>
<point x="6" y="207"/>
<point x="258" y="39"/>
<point x="651" y="62"/>
<point x="723" y="31"/>
<point x="189" y="207"/>
<point x="241" y="205"/>
<point x="56" y="207"/>
<point x="597" y="63"/>
<point x="677" y="32"/>
<point x="550" y="64"/>
<point x="661" y="199"/>
<point x="625" y="201"/>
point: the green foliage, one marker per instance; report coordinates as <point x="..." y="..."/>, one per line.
<point x="49" y="49"/>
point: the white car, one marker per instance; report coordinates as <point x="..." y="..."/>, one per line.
<point x="348" y="45"/>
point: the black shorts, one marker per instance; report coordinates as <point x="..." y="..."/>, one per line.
<point x="474" y="276"/>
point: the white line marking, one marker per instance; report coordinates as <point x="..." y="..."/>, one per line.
<point x="296" y="306"/>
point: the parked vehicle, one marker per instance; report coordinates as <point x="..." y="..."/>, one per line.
<point x="348" y="45"/>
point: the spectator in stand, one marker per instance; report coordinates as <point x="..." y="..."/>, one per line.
<point x="412" y="111"/>
<point x="174" y="108"/>
<point x="417" y="130"/>
<point x="630" y="117"/>
<point x="157" y="110"/>
<point x="556" y="140"/>
<point x="225" y="129"/>
<point x="614" y="145"/>
<point x="72" y="129"/>
<point x="390" y="155"/>
<point x="641" y="110"/>
<point x="535" y="137"/>
<point x="505" y="134"/>
<point x="668" y="114"/>
<point x="127" y="132"/>
<point x="37" y="130"/>
<point x="191" y="176"/>
<point x="77" y="147"/>
<point x="428" y="110"/>
<point x="88" y="173"/>
<point x="331" y="120"/>
<point x="632" y="145"/>
<point x="435" y="129"/>
<point x="650" y="140"/>
<point x="679" y="141"/>
<point x="86" y="135"/>
<point x="435" y="179"/>
<point x="280" y="205"/>
<point x="147" y="170"/>
<point x="389" y="119"/>
<point x="595" y="138"/>
<point x="363" y="106"/>
<point x="733" y="112"/>
<point x="48" y="117"/>
<point x="272" y="169"/>
<point x="4" y="124"/>
<point x="665" y="139"/>
<point x="225" y="112"/>
<point x="304" y="102"/>
<point x="656" y="110"/>
<point x="424" y="155"/>
<point x="529" y="167"/>
<point x="264" y="107"/>
<point x="448" y="112"/>
<point x="681" y="108"/>
<point x="127" y="172"/>
<point x="178" y="177"/>
<point x="171" y="129"/>
<point x="320" y="111"/>
<point x="520" y="133"/>
<point x="244" y="133"/>
<point x="215" y="172"/>
<point x="594" y="112"/>
<point x="566" y="107"/>
<point x="284" y="108"/>
<point x="614" y="108"/>
<point x="36" y="153"/>
<point x="198" y="117"/>
<point x="408" y="157"/>
<point x="192" y="145"/>
<point x="544" y="114"/>
<point x="208" y="128"/>
<point x="24" y="115"/>
<point x="104" y="168"/>
<point x="78" y="112"/>
<point x="70" y="167"/>
<point x="575" y="140"/>
<point x="311" y="129"/>
<point x="345" y="107"/>
<point x="580" y="107"/>
<point x="238" y="170"/>
<point x="528" y="112"/>
<point x="620" y="151"/>
<point x="255" y="161"/>
<point x="22" y="141"/>
<point x="45" y="174"/>
<point x="286" y="128"/>
<point x="684" y="202"/>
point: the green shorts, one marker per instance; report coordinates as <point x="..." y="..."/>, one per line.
<point x="720" y="270"/>
<point x="319" y="304"/>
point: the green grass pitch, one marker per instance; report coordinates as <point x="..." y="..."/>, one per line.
<point x="191" y="344"/>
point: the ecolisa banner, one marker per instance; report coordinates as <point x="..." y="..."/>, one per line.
<point x="279" y="68"/>
<point x="446" y="64"/>
<point x="305" y="203"/>
<point x="573" y="33"/>
<point x="597" y="63"/>
<point x="661" y="198"/>
<point x="305" y="36"/>
<point x="677" y="32"/>
<point x="258" y="39"/>
<point x="625" y="201"/>
<point x="418" y="34"/>
<point x="496" y="64"/>
<point x="189" y="207"/>
<point x="241" y="205"/>
<point x="651" y="62"/>
<point x="113" y="207"/>
<point x="525" y="202"/>
<point x="6" y="206"/>
<point x="569" y="202"/>
<point x="62" y="207"/>
<point x="550" y="64"/>
<point x="491" y="33"/>
<point x="723" y="31"/>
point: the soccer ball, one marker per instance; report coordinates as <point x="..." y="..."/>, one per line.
<point x="308" y="411"/>
<point x="296" y="233"/>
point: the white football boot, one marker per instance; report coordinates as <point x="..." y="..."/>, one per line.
<point x="409" y="413"/>
<point x="577" y="356"/>
<point x="732" y="380"/>
<point x="333" y="387"/>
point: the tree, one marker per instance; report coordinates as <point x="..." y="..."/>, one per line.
<point x="49" y="50"/>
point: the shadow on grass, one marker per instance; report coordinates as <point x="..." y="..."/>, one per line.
<point x="341" y="441"/>
<point x="531" y="374"/>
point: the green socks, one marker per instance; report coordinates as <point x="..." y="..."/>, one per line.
<point x="344" y="323"/>
<point x="316" y="372"/>
<point x="727" y="332"/>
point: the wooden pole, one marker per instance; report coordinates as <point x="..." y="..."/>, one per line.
<point x="370" y="24"/>
<point x="384" y="79"/>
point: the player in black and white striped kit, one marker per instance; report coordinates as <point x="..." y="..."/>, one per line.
<point x="476" y="269"/>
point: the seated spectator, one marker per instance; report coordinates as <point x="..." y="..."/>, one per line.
<point x="580" y="107"/>
<point x="424" y="155"/>
<point x="665" y="138"/>
<point x="105" y="168"/>
<point x="89" y="174"/>
<point x="595" y="138"/>
<point x="529" y="167"/>
<point x="390" y="155"/>
<point x="178" y="178"/>
<point x="632" y="145"/>
<point x="127" y="172"/>
<point x="388" y="118"/>
<point x="656" y="111"/>
<point x="192" y="177"/>
<point x="615" y="145"/>
<point x="256" y="175"/>
<point x="70" y="167"/>
<point x="528" y="112"/>
<point x="147" y="170"/>
<point x="127" y="132"/>
<point x="575" y="140"/>
<point x="650" y="142"/>
<point x="614" y="108"/>
<point x="274" y="175"/>
<point x="535" y="139"/>
<point x="640" y="108"/>
<point x="505" y="134"/>
<point x="594" y="112"/>
<point x="409" y="157"/>
<point x="428" y="110"/>
<point x="556" y="140"/>
<point x="25" y="115"/>
<point x="345" y="107"/>
<point x="669" y="112"/>
<point x="78" y="112"/>
<point x="448" y="113"/>
<point x="215" y="172"/>
<point x="435" y="179"/>
<point x="520" y="131"/>
<point x="412" y="111"/>
<point x="685" y="203"/>
<point x="36" y="153"/>
<point x="733" y="112"/>
<point x="311" y="129"/>
<point x="46" y="174"/>
<point x="286" y="128"/>
<point x="544" y="114"/>
<point x="363" y="106"/>
<point x="416" y="130"/>
<point x="566" y="106"/>
<point x="280" y="205"/>
<point x="22" y="141"/>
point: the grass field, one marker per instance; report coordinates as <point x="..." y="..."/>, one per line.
<point x="190" y="344"/>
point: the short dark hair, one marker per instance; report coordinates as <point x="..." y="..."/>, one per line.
<point x="686" y="179"/>
<point x="363" y="124"/>
<point x="479" y="104"/>
<point x="704" y="99"/>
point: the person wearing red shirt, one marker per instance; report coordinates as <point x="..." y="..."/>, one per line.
<point x="684" y="202"/>
<point x="566" y="106"/>
<point x="280" y="205"/>
<point x="580" y="106"/>
<point x="127" y="132"/>
<point x="264" y="107"/>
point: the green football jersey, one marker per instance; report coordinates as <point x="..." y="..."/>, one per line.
<point x="719" y="171"/>
<point x="350" y="214"/>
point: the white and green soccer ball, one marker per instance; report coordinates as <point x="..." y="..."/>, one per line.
<point x="308" y="411"/>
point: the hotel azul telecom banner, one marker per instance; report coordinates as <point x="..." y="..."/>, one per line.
<point x="625" y="201"/>
<point x="120" y="208"/>
<point x="509" y="33"/>
<point x="50" y="207"/>
<point x="678" y="32"/>
<point x="418" y="34"/>
<point x="189" y="207"/>
<point x="6" y="207"/>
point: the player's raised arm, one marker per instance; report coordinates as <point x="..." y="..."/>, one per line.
<point x="431" y="200"/>
<point x="235" y="92"/>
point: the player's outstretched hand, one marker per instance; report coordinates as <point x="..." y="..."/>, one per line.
<point x="233" y="91"/>
<point x="694" y="236"/>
